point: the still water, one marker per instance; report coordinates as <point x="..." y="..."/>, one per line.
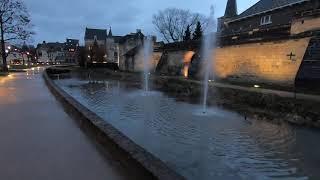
<point x="218" y="145"/>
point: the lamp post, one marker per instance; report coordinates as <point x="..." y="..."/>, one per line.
<point x="7" y="51"/>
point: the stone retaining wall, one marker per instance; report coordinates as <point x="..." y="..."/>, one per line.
<point x="270" y="107"/>
<point x="251" y="104"/>
<point x="134" y="155"/>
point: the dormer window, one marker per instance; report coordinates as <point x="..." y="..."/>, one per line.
<point x="266" y="20"/>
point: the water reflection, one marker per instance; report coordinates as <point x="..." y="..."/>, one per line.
<point x="217" y="145"/>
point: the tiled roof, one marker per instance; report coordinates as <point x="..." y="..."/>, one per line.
<point x="100" y="33"/>
<point x="267" y="5"/>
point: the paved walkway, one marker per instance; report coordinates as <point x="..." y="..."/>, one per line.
<point x="39" y="141"/>
<point x="280" y="93"/>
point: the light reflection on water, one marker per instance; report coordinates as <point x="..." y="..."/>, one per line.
<point x="217" y="145"/>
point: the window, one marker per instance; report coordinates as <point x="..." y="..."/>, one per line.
<point x="266" y="20"/>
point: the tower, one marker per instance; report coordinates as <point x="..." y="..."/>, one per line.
<point x="231" y="9"/>
<point x="231" y="12"/>
<point x="110" y="33"/>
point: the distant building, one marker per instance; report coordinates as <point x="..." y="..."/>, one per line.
<point x="117" y="49"/>
<point x="15" y="55"/>
<point x="51" y="52"/>
<point x="71" y="48"/>
<point x="56" y="52"/>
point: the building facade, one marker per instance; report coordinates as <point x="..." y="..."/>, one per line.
<point x="71" y="48"/>
<point x="57" y="53"/>
<point x="123" y="51"/>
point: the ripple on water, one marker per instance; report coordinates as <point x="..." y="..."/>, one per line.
<point x="215" y="145"/>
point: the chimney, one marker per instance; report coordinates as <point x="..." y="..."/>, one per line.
<point x="231" y="9"/>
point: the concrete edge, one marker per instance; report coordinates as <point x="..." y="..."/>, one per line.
<point x="148" y="161"/>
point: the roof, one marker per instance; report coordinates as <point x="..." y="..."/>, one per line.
<point x="101" y="34"/>
<point x="137" y="35"/>
<point x="265" y="6"/>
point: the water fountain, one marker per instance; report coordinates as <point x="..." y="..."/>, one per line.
<point x="147" y="53"/>
<point x="208" y="46"/>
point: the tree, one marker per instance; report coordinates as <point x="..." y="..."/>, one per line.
<point x="171" y="23"/>
<point x="187" y="34"/>
<point x="198" y="32"/>
<point x="82" y="56"/>
<point x="15" y="25"/>
<point x="97" y="53"/>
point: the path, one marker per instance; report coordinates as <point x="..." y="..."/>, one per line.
<point x="39" y="141"/>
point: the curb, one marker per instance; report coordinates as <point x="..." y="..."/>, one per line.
<point x="104" y="131"/>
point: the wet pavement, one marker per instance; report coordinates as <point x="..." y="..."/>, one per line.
<point x="39" y="141"/>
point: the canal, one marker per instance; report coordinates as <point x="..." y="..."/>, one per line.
<point x="219" y="145"/>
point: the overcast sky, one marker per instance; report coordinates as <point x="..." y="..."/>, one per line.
<point x="58" y="19"/>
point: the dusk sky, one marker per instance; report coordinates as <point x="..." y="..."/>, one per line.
<point x="56" y="20"/>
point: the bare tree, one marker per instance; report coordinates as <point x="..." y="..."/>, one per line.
<point x="172" y="23"/>
<point x="14" y="25"/>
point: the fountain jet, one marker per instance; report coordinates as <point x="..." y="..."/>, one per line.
<point x="147" y="54"/>
<point x="208" y="47"/>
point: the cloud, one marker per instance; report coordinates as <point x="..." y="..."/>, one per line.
<point x="59" y="19"/>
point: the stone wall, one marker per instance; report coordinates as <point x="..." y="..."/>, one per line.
<point x="135" y="63"/>
<point x="275" y="62"/>
<point x="305" y="24"/>
<point x="176" y="62"/>
<point x="268" y="62"/>
<point x="153" y="63"/>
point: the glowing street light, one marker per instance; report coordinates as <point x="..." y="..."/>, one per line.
<point x="256" y="86"/>
<point x="9" y="47"/>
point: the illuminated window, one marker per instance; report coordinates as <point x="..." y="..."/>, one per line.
<point x="266" y="20"/>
